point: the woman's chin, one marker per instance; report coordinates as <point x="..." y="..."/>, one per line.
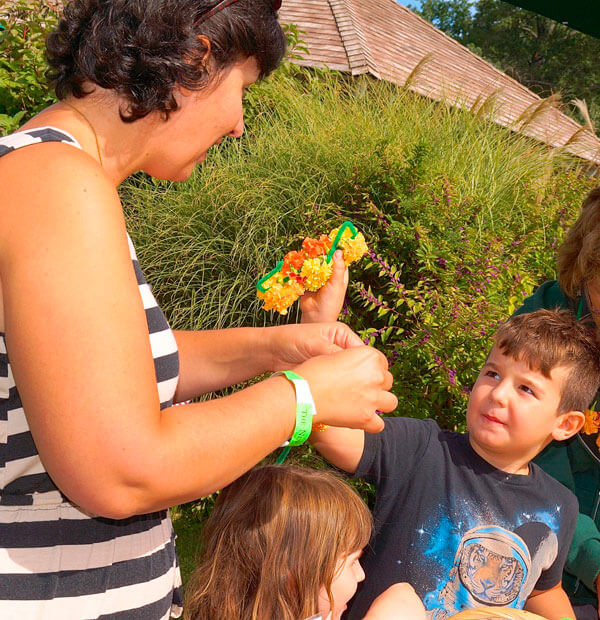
<point x="182" y="174"/>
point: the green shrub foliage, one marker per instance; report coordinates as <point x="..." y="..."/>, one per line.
<point x="23" y="89"/>
<point x="463" y="219"/>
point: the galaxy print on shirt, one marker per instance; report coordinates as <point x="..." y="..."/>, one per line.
<point x="496" y="565"/>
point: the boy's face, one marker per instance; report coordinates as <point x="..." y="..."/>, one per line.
<point x="513" y="412"/>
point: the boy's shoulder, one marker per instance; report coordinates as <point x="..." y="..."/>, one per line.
<point x="398" y="447"/>
<point x="422" y="433"/>
<point x="405" y="443"/>
<point x="557" y="491"/>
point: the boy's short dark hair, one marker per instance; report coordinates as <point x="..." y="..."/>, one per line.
<point x="143" y="49"/>
<point x="546" y="339"/>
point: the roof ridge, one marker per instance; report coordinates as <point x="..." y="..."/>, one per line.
<point x="355" y="43"/>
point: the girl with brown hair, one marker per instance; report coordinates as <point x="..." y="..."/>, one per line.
<point x="284" y="542"/>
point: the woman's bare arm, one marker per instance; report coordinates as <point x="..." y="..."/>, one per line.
<point x="212" y="360"/>
<point x="79" y="348"/>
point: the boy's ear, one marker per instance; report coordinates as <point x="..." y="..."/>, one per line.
<point x="567" y="425"/>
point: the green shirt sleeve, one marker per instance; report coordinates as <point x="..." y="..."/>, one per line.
<point x="583" y="560"/>
<point x="548" y="296"/>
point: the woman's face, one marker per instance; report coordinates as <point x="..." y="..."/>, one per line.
<point x="348" y="575"/>
<point x="203" y="119"/>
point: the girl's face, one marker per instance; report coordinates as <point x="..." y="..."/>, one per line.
<point x="348" y="575"/>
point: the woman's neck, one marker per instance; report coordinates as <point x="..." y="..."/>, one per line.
<point x="119" y="148"/>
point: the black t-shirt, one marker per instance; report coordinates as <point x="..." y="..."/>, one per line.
<point x="462" y="532"/>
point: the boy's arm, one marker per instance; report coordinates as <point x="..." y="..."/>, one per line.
<point x="342" y="447"/>
<point x="552" y="604"/>
<point x="398" y="602"/>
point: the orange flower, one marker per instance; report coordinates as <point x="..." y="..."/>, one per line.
<point x="298" y="277"/>
<point x="292" y="260"/>
<point x="592" y="422"/>
<point x="314" y="248"/>
<point x="326" y="240"/>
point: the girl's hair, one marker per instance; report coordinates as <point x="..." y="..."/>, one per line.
<point x="274" y="538"/>
<point x="578" y="256"/>
<point x="142" y="49"/>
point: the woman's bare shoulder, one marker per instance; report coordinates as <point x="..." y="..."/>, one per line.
<point x="50" y="165"/>
<point x="54" y="186"/>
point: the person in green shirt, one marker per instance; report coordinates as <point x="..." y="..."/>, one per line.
<point x="576" y="461"/>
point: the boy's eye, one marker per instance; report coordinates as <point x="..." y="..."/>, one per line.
<point x="493" y="374"/>
<point x="527" y="389"/>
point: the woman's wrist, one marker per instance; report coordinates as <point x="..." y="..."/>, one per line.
<point x="285" y="394"/>
<point x="278" y="347"/>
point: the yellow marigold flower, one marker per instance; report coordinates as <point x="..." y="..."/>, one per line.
<point x="316" y="272"/>
<point x="592" y="422"/>
<point x="353" y="249"/>
<point x="345" y="235"/>
<point x="281" y="296"/>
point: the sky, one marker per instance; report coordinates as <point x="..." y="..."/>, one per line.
<point x="416" y="3"/>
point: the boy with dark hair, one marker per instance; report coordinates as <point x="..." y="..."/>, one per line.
<point x="466" y="518"/>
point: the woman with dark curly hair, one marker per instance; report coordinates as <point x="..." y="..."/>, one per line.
<point x="92" y="452"/>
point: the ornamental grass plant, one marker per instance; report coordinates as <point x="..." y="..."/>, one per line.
<point x="462" y="217"/>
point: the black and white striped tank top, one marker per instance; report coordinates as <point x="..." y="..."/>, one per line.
<point x="56" y="561"/>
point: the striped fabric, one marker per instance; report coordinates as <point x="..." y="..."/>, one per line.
<point x="56" y="561"/>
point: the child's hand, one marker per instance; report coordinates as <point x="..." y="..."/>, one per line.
<point x="326" y="304"/>
<point x="398" y="602"/>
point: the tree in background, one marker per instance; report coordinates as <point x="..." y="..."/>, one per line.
<point x="542" y="54"/>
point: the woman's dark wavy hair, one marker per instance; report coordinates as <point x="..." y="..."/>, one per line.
<point x="142" y="49"/>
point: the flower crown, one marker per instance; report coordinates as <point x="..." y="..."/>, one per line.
<point x="309" y="268"/>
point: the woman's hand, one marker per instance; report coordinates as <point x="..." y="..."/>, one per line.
<point x="326" y="304"/>
<point x="349" y="388"/>
<point x="290" y="345"/>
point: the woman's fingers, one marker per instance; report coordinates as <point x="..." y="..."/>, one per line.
<point x="388" y="381"/>
<point x="326" y="304"/>
<point x="340" y="276"/>
<point x="375" y="424"/>
<point x="361" y="388"/>
<point x="344" y="337"/>
<point x="388" y="401"/>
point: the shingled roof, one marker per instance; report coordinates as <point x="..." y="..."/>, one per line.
<point x="388" y="41"/>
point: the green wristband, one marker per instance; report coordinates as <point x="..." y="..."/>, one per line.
<point x="305" y="408"/>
